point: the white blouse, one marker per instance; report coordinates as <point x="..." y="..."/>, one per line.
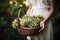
<point x="38" y="3"/>
<point x="39" y="7"/>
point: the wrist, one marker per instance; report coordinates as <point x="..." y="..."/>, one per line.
<point x="44" y="20"/>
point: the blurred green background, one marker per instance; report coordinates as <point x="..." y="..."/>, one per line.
<point x="9" y="11"/>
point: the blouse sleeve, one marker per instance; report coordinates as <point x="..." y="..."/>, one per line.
<point x="49" y="1"/>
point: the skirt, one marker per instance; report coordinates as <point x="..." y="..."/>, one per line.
<point x="47" y="33"/>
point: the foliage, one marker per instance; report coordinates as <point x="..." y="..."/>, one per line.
<point x="8" y="12"/>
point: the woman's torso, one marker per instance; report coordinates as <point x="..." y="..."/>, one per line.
<point x="39" y="8"/>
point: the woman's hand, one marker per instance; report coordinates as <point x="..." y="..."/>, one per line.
<point x="42" y="25"/>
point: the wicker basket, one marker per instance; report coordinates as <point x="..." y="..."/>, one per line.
<point x="27" y="31"/>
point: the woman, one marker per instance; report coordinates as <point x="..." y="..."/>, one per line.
<point x="44" y="8"/>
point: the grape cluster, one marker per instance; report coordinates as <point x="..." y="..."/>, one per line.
<point x="31" y="22"/>
<point x="27" y="21"/>
<point x="14" y="23"/>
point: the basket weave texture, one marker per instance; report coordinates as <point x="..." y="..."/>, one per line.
<point x="29" y="31"/>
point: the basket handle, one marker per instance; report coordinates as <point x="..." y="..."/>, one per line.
<point x="18" y="25"/>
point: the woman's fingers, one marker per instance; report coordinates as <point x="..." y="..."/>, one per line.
<point x="42" y="26"/>
<point x="41" y="29"/>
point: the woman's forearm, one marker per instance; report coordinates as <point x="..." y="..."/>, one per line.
<point x="29" y="9"/>
<point x="50" y="12"/>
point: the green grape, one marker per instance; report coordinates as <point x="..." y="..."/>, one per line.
<point x="23" y="22"/>
<point x="14" y="23"/>
<point x="25" y="16"/>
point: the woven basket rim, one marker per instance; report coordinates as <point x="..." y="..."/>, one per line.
<point x="29" y="28"/>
